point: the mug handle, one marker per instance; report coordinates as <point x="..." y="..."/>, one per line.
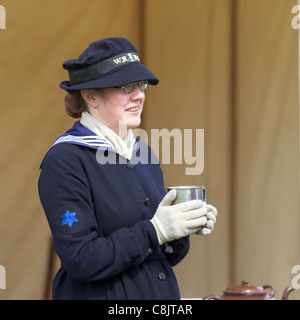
<point x="272" y="292"/>
<point x="286" y="292"/>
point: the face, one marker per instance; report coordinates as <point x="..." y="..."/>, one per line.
<point x="113" y="106"/>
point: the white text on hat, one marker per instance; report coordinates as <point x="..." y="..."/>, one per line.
<point x="130" y="57"/>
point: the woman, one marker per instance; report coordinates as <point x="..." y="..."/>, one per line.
<point x="114" y="228"/>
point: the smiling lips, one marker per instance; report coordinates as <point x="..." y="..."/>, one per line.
<point x="133" y="109"/>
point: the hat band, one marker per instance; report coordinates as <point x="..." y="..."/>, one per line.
<point x="100" y="68"/>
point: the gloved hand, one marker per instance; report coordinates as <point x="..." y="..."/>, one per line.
<point x="211" y="215"/>
<point x="172" y="222"/>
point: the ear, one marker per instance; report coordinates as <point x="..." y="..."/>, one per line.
<point x="90" y="98"/>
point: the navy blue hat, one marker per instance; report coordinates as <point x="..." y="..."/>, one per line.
<point x="107" y="63"/>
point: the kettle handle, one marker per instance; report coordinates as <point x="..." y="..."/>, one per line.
<point x="286" y="292"/>
<point x="212" y="298"/>
<point x="272" y="292"/>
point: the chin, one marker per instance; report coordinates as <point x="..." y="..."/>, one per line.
<point x="133" y="124"/>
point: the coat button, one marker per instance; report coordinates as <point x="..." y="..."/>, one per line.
<point x="147" y="202"/>
<point x="130" y="165"/>
<point x="150" y="250"/>
<point x="162" y="276"/>
<point x="168" y="249"/>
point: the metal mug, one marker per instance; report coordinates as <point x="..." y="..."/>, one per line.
<point x="187" y="193"/>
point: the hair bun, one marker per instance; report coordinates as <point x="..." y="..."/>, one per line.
<point x="72" y="106"/>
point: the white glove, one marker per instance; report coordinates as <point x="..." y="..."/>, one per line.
<point x="180" y="220"/>
<point x="211" y="215"/>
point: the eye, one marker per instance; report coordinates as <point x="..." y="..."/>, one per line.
<point x="143" y="85"/>
<point x="128" y="88"/>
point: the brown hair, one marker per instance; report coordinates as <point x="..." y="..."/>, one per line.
<point x="75" y="103"/>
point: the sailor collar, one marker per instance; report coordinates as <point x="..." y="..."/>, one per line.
<point x="82" y="136"/>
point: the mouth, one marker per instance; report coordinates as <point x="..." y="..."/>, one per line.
<point x="133" y="109"/>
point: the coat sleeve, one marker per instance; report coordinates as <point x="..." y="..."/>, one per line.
<point x="66" y="199"/>
<point x="176" y="250"/>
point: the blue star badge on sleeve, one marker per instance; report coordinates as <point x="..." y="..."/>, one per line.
<point x="68" y="218"/>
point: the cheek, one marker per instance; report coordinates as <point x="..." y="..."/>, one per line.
<point x="115" y="107"/>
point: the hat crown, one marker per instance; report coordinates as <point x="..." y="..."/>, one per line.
<point x="106" y="63"/>
<point x="100" y="50"/>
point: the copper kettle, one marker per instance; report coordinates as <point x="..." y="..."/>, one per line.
<point x="248" y="292"/>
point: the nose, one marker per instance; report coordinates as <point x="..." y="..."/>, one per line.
<point x="137" y="93"/>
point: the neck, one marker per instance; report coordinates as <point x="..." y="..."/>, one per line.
<point x="122" y="144"/>
<point x="90" y="120"/>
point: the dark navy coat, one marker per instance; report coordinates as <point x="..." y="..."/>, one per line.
<point x="99" y="215"/>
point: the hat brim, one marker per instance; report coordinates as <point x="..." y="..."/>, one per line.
<point x="130" y="73"/>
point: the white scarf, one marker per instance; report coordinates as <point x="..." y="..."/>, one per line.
<point x="124" y="147"/>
